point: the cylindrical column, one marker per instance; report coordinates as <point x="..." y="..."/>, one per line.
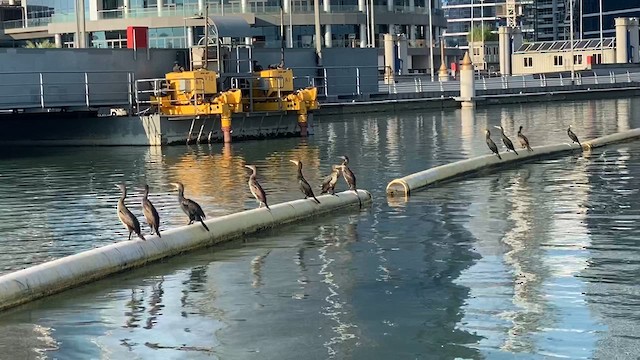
<point x="363" y="35"/>
<point x="392" y="29"/>
<point x="225" y="122"/>
<point x="403" y="52"/>
<point x="326" y="4"/>
<point x="412" y="6"/>
<point x="327" y="36"/>
<point x="125" y="8"/>
<point x="361" y="5"/>
<point x="201" y="6"/>
<point x="160" y="4"/>
<point x="244" y="6"/>
<point x="189" y="36"/>
<point x="57" y="38"/>
<point x="412" y="35"/>
<point x="389" y="58"/>
<point x="634" y="40"/>
<point x="288" y="34"/>
<point x="286" y="6"/>
<point x="467" y="85"/>
<point x="504" y="47"/>
<point x="390" y="5"/>
<point x="12" y="2"/>
<point x="622" y="55"/>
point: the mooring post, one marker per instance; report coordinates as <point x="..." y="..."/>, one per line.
<point x="467" y="82"/>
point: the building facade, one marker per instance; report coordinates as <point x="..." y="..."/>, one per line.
<point x="180" y="23"/>
<point x="611" y="9"/>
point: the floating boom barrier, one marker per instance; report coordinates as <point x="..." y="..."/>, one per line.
<point x="405" y="185"/>
<point x="55" y="276"/>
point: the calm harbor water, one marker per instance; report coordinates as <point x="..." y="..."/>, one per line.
<point x="538" y="261"/>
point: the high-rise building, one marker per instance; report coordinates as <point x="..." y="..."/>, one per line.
<point x="611" y="9"/>
<point x="550" y="20"/>
<point x="180" y="23"/>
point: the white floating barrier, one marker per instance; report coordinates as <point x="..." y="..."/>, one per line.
<point x="404" y="186"/>
<point x="54" y="276"/>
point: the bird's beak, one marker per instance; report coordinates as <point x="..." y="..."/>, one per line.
<point x="294" y="161"/>
<point x="497" y="127"/>
<point x="248" y="166"/>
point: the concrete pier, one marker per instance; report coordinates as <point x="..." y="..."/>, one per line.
<point x="467" y="83"/>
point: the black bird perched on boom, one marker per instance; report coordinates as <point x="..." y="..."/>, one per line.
<point x="150" y="213"/>
<point x="491" y="144"/>
<point x="507" y="142"/>
<point x="523" y="140"/>
<point x="330" y="181"/>
<point x="190" y="207"/>
<point x="256" y="189"/>
<point x="126" y="217"/>
<point x="302" y="182"/>
<point x="348" y="175"/>
<point x="573" y="136"/>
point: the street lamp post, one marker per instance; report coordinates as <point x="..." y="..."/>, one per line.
<point x="601" y="45"/>
<point x="571" y="39"/>
<point x="482" y="31"/>
<point x="431" y="41"/>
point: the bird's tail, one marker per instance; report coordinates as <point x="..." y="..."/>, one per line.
<point x="203" y="224"/>
<point x="499" y="157"/>
<point x="514" y="150"/>
<point x="140" y="236"/>
<point x="316" y="200"/>
<point x="158" y="232"/>
<point x="529" y="148"/>
<point x="267" y="206"/>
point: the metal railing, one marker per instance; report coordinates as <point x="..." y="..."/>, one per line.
<point x="338" y="82"/>
<point x="145" y="88"/>
<point x="47" y="90"/>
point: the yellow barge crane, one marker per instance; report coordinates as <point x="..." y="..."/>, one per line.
<point x="195" y="93"/>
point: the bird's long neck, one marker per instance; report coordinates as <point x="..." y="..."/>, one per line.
<point x="520" y="131"/>
<point x="123" y="194"/>
<point x="300" y="171"/>
<point x="488" y="135"/>
<point x="180" y="193"/>
<point x="146" y="193"/>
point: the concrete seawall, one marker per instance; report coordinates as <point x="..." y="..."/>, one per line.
<point x="55" y="276"/>
<point x="405" y="185"/>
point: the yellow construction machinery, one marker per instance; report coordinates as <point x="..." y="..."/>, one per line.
<point x="195" y="93"/>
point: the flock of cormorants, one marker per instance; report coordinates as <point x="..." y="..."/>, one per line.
<point x="524" y="142"/>
<point x="195" y="213"/>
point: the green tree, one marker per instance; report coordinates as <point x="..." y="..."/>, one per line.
<point x="478" y="35"/>
<point x="40" y="45"/>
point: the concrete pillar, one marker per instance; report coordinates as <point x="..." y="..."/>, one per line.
<point x="634" y="40"/>
<point x="504" y="49"/>
<point x="443" y="73"/>
<point x="244" y="6"/>
<point x="327" y="36"/>
<point x="189" y="36"/>
<point x="326" y="4"/>
<point x="403" y="53"/>
<point x="412" y="35"/>
<point x="467" y="82"/>
<point x="57" y="38"/>
<point x="392" y="29"/>
<point x="12" y="2"/>
<point x="125" y="8"/>
<point x="94" y="7"/>
<point x="412" y="6"/>
<point x="286" y="6"/>
<point x="288" y="35"/>
<point x="363" y="35"/>
<point x="390" y="5"/>
<point x="201" y="6"/>
<point x="389" y="58"/>
<point x="160" y="4"/>
<point x="621" y="40"/>
<point x="362" y="6"/>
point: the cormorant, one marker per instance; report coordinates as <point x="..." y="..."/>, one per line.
<point x="304" y="185"/>
<point x="491" y="144"/>
<point x="348" y="175"/>
<point x="126" y="217"/>
<point x="256" y="189"/>
<point x="507" y="142"/>
<point x="329" y="182"/>
<point x="150" y="212"/>
<point x="573" y="136"/>
<point x="190" y="207"/>
<point x="523" y="140"/>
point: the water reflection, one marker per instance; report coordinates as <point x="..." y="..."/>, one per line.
<point x="537" y="261"/>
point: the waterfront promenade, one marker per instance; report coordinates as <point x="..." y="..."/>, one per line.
<point x="510" y="263"/>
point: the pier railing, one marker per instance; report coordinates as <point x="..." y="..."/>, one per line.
<point x="76" y="90"/>
<point x="339" y="83"/>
